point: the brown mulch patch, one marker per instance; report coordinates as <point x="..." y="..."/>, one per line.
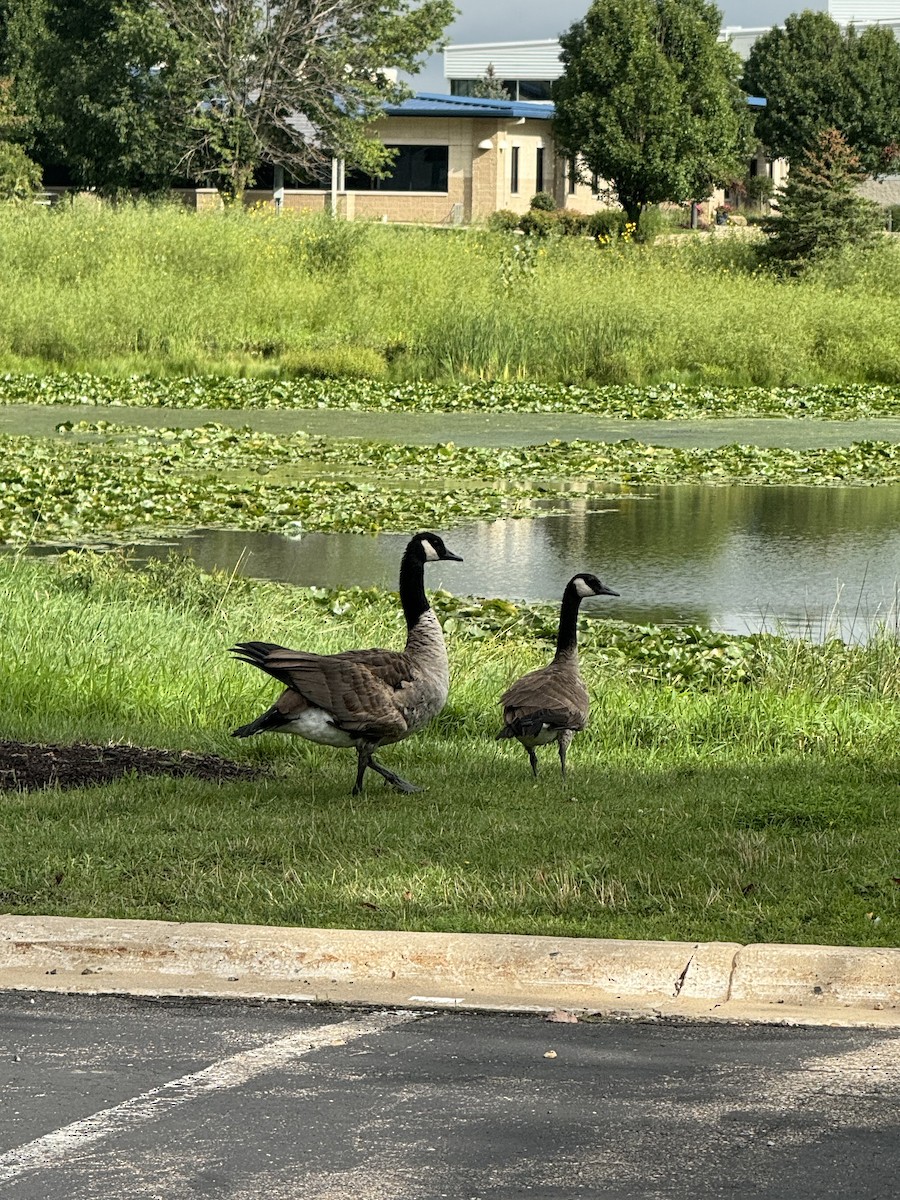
<point x="29" y="766"/>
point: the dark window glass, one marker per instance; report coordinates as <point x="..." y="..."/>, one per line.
<point x="511" y="87"/>
<point x="539" y="170"/>
<point x="415" y="169"/>
<point x="514" y="170"/>
<point x="573" y="176"/>
<point x="534" y="89"/>
<point x="462" y="87"/>
<point x="754" y="166"/>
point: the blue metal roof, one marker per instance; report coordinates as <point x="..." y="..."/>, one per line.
<point x="433" y="104"/>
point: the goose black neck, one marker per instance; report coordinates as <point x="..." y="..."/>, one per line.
<point x="412" y="589"/>
<point x="567" y="638"/>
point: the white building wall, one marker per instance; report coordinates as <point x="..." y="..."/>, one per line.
<point x="864" y="11"/>
<point x="510" y="60"/>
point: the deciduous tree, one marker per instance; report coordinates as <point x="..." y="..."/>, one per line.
<point x="649" y="100"/>
<point x="294" y="81"/>
<point x="97" y="81"/>
<point x="816" y="76"/>
<point x="20" y="177"/>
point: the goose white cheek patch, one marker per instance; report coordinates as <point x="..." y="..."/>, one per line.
<point x="584" y="589"/>
<point x="431" y="555"/>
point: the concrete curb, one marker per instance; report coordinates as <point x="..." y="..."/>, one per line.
<point x="719" y="980"/>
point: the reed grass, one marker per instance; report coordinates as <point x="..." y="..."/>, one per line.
<point x="164" y="290"/>
<point x="765" y="810"/>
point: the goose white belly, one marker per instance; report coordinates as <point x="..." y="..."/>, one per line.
<point x="316" y="725"/>
<point x="548" y="734"/>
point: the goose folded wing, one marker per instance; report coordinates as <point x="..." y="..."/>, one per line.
<point x="531" y="720"/>
<point x="357" y="699"/>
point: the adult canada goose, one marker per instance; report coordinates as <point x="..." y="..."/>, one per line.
<point x="551" y="704"/>
<point x="363" y="698"/>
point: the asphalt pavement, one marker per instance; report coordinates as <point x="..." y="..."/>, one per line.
<point x="110" y="1096"/>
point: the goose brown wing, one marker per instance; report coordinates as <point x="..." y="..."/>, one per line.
<point x="546" y="697"/>
<point x="356" y="689"/>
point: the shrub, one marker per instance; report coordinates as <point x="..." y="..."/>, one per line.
<point x="607" y="223"/>
<point x="543" y="202"/>
<point x="892" y="217"/>
<point x="651" y="223"/>
<point x="572" y="224"/>
<point x="504" y="220"/>
<point x="20" y="178"/>
<point x="538" y="223"/>
<point x="334" y="362"/>
<point x="758" y="190"/>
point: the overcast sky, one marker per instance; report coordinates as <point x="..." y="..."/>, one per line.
<point x="524" y="20"/>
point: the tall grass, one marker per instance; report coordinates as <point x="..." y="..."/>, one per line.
<point x="171" y="291"/>
<point x="755" y="811"/>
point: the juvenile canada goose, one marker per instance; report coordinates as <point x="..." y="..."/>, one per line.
<point x="551" y="704"/>
<point x="363" y="698"/>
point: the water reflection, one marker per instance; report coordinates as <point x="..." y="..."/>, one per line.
<point x="738" y="559"/>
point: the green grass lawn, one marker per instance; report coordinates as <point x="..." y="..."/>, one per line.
<point x="754" y="798"/>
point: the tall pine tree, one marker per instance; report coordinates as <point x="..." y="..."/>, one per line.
<point x="820" y="210"/>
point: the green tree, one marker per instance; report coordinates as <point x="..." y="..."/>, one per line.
<point x="820" y="209"/>
<point x="20" y="178"/>
<point x="294" y="81"/>
<point x="489" y="87"/>
<point x="97" y="80"/>
<point x="649" y="100"/>
<point x="22" y="29"/>
<point x="816" y="76"/>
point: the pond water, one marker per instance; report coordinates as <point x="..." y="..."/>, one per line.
<point x="807" y="561"/>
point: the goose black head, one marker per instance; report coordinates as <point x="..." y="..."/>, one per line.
<point x="429" y="547"/>
<point x="586" y="585"/>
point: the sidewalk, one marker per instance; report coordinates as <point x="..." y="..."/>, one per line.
<point x="822" y="985"/>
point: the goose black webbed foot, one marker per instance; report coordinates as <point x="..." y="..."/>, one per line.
<point x="402" y="785"/>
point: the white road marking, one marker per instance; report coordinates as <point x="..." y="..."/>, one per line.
<point x="57" y="1147"/>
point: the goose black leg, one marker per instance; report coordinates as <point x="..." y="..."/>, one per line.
<point x="563" y="743"/>
<point x="532" y="758"/>
<point x="363" y="760"/>
<point x="402" y="785"/>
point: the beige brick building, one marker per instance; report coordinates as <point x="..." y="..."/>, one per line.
<point x="458" y="159"/>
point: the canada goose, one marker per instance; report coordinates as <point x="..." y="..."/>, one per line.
<point x="363" y="698"/>
<point x="551" y="704"/>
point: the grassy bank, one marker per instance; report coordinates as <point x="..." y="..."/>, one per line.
<point x="124" y="481"/>
<point x="748" y="794"/>
<point x="170" y="292"/>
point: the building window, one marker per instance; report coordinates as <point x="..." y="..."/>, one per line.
<point x="533" y="89"/>
<point x="415" y="169"/>
<point x="516" y="89"/>
<point x="514" y="170"/>
<point x="539" y="170"/>
<point x="572" y="170"/>
<point x="475" y="88"/>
